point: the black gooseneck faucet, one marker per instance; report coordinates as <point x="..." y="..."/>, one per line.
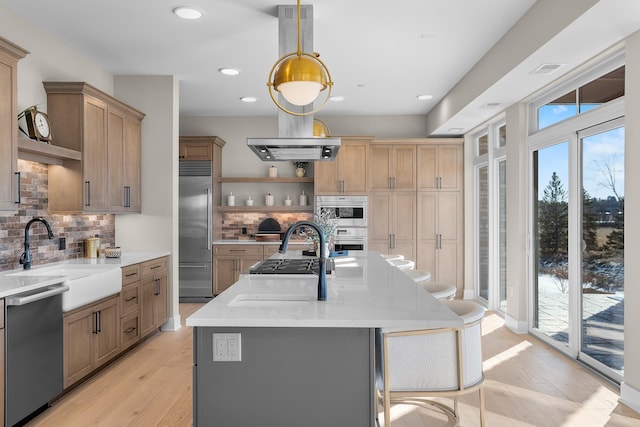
<point x="25" y="258"/>
<point x="322" y="273"/>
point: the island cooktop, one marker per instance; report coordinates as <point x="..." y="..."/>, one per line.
<point x="290" y="266"/>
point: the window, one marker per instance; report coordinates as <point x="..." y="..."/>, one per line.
<point x="585" y="97"/>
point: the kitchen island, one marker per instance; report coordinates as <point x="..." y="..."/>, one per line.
<point x="268" y="353"/>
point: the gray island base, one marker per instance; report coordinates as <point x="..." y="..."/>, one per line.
<point x="298" y="361"/>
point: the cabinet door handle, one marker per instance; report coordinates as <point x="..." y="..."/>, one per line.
<point x="156" y="290"/>
<point x="209" y="242"/>
<point x="88" y="185"/>
<point x="390" y="185"/>
<point x="97" y="322"/>
<point x="394" y="241"/>
<point x="130" y="274"/>
<point x="155" y="266"/>
<point x="130" y="329"/>
<point x="130" y="299"/>
<point x="440" y="182"/>
<point x="19" y="183"/>
<point x="393" y="186"/>
<point x="127" y="196"/>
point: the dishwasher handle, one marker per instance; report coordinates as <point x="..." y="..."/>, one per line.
<point x="22" y="299"/>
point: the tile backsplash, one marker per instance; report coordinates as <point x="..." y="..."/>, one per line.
<point x="34" y="202"/>
<point x="233" y="222"/>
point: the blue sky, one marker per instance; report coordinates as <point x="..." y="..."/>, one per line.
<point x="599" y="152"/>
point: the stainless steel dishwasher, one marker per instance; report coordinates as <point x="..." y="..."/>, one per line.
<point x="33" y="343"/>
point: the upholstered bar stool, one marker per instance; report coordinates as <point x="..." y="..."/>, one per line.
<point x="415" y="366"/>
<point x="418" y="275"/>
<point x="403" y="264"/>
<point x="442" y="291"/>
<point x="390" y="257"/>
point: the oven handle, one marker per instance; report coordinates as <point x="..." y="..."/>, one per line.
<point x="26" y="299"/>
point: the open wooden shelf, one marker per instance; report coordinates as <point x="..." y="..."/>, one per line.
<point x="304" y="179"/>
<point x="265" y="208"/>
<point x="37" y="151"/>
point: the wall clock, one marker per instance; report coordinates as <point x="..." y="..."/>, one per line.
<point x="38" y="126"/>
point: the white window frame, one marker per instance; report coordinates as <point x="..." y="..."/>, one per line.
<point x="491" y="160"/>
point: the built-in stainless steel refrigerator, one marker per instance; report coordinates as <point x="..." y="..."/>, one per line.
<point x="196" y="230"/>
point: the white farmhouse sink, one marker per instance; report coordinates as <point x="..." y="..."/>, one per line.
<point x="271" y="300"/>
<point x="87" y="283"/>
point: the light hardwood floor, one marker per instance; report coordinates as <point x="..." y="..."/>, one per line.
<point x="528" y="384"/>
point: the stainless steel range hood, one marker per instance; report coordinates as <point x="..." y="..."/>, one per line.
<point x="295" y="139"/>
<point x="302" y="149"/>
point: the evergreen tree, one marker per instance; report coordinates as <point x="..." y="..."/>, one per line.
<point x="553" y="221"/>
<point x="589" y="222"/>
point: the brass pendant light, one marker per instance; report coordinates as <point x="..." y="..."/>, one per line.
<point x="300" y="77"/>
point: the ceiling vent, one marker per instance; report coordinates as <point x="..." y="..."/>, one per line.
<point x="547" y="68"/>
<point x="491" y="105"/>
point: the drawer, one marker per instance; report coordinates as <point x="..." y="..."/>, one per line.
<point x="154" y="266"/>
<point x="129" y="331"/>
<point x="238" y="250"/>
<point x="130" y="299"/>
<point x="130" y="274"/>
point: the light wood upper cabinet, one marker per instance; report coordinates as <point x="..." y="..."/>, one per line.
<point x="123" y="175"/>
<point x="10" y="54"/>
<point x="195" y="150"/>
<point x="348" y="173"/>
<point x="107" y="133"/>
<point x="392" y="167"/>
<point x="440" y="166"/>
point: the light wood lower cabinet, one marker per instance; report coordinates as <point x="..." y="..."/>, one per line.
<point x="2" y="360"/>
<point x="392" y="223"/>
<point x="130" y="307"/>
<point x="231" y="260"/>
<point x="153" y="295"/>
<point x="97" y="333"/>
<point x="91" y="338"/>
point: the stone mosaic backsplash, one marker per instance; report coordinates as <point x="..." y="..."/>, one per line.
<point x="74" y="228"/>
<point x="233" y="222"/>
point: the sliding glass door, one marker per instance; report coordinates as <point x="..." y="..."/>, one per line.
<point x="578" y="245"/>
<point x="551" y="244"/>
<point x="602" y="247"/>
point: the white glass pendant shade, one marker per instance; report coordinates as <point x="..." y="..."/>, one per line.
<point x="300" y="93"/>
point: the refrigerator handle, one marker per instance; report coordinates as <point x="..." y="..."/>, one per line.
<point x="209" y="220"/>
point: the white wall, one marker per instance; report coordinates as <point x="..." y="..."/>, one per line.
<point x="630" y="390"/>
<point x="156" y="228"/>
<point x="49" y="60"/>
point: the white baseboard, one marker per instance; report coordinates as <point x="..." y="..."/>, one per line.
<point x="516" y="326"/>
<point x="630" y="396"/>
<point x="173" y="324"/>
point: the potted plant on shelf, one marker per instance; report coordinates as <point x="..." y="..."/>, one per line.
<point x="300" y="168"/>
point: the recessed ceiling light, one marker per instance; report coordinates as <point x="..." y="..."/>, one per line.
<point x="187" y="12"/>
<point x="229" y="71"/>
<point x="248" y="99"/>
<point x="336" y="98"/>
<point x="424" y="97"/>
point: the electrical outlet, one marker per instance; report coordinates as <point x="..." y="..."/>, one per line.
<point x="62" y="243"/>
<point x="227" y="347"/>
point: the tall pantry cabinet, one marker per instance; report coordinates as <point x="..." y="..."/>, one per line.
<point x="440" y="211"/>
<point x="416" y="203"/>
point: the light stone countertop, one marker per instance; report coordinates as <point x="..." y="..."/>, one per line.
<point x="364" y="292"/>
<point x="11" y="285"/>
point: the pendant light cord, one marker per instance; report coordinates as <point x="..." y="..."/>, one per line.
<point x="299" y="44"/>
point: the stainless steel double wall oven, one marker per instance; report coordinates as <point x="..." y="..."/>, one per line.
<point x="351" y="214"/>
